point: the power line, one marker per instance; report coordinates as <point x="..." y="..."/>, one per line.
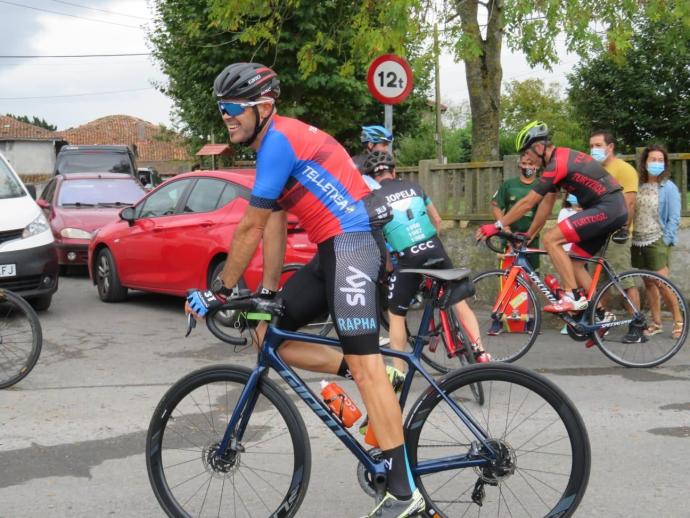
<point x="101" y="10"/>
<point x="36" y="56"/>
<point x="74" y="95"/>
<point x="70" y="15"/>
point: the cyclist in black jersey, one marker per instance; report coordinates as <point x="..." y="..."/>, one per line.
<point x="412" y="235"/>
<point x="600" y="196"/>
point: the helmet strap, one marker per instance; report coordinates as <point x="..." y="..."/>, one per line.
<point x="258" y="125"/>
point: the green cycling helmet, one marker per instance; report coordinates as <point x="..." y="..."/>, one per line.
<point x="533" y="132"/>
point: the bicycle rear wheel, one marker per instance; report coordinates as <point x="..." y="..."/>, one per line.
<point x="21" y="338"/>
<point x="651" y="349"/>
<point x="266" y="473"/>
<point x="508" y="335"/>
<point x="543" y="462"/>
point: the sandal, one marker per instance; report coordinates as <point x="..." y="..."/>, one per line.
<point x="654" y="329"/>
<point x="677" y="330"/>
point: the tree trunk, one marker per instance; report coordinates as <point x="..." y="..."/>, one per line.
<point x="484" y="74"/>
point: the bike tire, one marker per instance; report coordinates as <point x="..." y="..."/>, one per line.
<point x="506" y="345"/>
<point x="654" y="350"/>
<point x="21" y="338"/>
<point x="532" y="446"/>
<point x="264" y="475"/>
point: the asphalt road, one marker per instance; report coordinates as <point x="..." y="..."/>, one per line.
<point x="72" y="433"/>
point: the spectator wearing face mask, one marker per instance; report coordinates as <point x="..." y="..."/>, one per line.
<point x="508" y="194"/>
<point x="655" y="232"/>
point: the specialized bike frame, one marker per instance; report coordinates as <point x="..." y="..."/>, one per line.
<point x="268" y="358"/>
<point x="521" y="266"/>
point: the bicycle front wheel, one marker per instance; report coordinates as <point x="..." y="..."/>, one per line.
<point x="508" y="334"/>
<point x="661" y="303"/>
<point x="21" y="338"/>
<point x="263" y="473"/>
<point x="543" y="452"/>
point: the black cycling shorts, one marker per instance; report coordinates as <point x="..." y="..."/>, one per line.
<point x="402" y="287"/>
<point x="341" y="278"/>
<point x="589" y="228"/>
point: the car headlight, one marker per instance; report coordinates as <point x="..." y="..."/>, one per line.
<point x="75" y="233"/>
<point x="37" y="226"/>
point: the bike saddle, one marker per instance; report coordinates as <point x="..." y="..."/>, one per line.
<point x="452" y="274"/>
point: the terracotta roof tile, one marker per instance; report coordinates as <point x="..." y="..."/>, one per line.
<point x="12" y="129"/>
<point x="152" y="144"/>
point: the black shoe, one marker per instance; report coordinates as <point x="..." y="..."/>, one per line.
<point x="635" y="335"/>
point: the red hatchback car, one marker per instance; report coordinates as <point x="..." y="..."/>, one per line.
<point x="79" y="204"/>
<point x="177" y="237"/>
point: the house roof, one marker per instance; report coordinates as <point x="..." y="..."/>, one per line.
<point x="152" y="142"/>
<point x="214" y="149"/>
<point x="12" y="129"/>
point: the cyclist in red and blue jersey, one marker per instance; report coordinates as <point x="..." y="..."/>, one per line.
<point x="603" y="210"/>
<point x="304" y="171"/>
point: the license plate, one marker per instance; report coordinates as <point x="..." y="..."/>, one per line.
<point x="8" y="270"/>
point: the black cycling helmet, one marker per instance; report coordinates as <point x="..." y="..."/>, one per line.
<point x="378" y="162"/>
<point x="246" y="81"/>
<point x="535" y="131"/>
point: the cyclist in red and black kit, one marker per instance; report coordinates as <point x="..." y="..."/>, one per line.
<point x="599" y="194"/>
<point x="304" y="171"/>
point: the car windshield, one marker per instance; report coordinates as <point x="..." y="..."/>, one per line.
<point x="101" y="192"/>
<point x="94" y="162"/>
<point x="9" y="186"/>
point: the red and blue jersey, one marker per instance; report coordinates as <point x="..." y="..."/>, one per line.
<point x="306" y="172"/>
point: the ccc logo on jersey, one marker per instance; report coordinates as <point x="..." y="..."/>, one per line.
<point x="427" y="245"/>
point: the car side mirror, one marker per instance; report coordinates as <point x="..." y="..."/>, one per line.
<point x="127" y="214"/>
<point x="32" y="190"/>
<point x="44" y="204"/>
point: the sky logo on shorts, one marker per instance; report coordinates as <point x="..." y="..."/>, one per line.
<point x="355" y="289"/>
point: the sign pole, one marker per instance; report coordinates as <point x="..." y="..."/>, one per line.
<point x="388" y="116"/>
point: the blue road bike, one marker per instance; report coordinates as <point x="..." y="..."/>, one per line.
<point x="227" y="440"/>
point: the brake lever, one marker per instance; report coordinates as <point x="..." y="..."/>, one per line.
<point x="191" y="324"/>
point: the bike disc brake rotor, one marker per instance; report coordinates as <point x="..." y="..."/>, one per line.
<point x="219" y="466"/>
<point x="502" y="467"/>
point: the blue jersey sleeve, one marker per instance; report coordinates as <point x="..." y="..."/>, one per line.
<point x="274" y="163"/>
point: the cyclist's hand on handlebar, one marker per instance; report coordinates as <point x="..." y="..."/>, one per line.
<point x="486" y="231"/>
<point x="200" y="302"/>
<point x="272" y="306"/>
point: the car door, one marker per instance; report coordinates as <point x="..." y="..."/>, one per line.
<point x="139" y="252"/>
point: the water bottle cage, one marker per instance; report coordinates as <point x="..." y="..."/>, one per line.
<point x="341" y="397"/>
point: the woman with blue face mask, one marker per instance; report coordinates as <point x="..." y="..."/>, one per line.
<point x="655" y="231"/>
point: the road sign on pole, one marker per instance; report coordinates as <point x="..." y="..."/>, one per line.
<point x="390" y="79"/>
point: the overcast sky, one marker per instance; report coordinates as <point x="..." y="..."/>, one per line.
<point x="69" y="92"/>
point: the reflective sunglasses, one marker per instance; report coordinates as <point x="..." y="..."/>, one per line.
<point x="233" y="109"/>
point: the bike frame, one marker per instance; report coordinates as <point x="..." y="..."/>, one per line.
<point x="268" y="358"/>
<point x="521" y="266"/>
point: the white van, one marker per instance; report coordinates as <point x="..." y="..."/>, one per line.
<point x="28" y="258"/>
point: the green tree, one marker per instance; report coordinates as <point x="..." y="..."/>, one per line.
<point x="531" y="99"/>
<point x="643" y="93"/>
<point x="41" y="123"/>
<point x="314" y="46"/>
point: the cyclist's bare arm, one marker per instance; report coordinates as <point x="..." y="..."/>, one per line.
<point x="247" y="236"/>
<point x="434" y="216"/>
<point x="543" y="212"/>
<point x="275" y="238"/>
<point x="520" y="208"/>
<point x="630" y="201"/>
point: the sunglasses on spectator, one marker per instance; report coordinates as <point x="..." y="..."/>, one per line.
<point x="233" y="109"/>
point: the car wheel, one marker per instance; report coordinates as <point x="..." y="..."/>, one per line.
<point x="225" y="318"/>
<point x="107" y="280"/>
<point x="41" y="303"/>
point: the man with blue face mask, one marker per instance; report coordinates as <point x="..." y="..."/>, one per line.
<point x="602" y="149"/>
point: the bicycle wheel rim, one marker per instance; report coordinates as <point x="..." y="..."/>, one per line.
<point x="269" y="477"/>
<point x="509" y="336"/>
<point x="527" y="416"/>
<point x="651" y="350"/>
<point x="21" y="338"/>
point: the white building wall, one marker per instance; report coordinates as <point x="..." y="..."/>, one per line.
<point x="30" y="157"/>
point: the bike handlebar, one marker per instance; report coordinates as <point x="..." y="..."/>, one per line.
<point x="517" y="241"/>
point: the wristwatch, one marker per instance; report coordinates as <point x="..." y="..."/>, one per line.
<point x="217" y="286"/>
<point x="498" y="224"/>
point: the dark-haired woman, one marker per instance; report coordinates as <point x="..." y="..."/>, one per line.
<point x="655" y="231"/>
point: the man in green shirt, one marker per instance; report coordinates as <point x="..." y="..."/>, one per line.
<point x="509" y="193"/>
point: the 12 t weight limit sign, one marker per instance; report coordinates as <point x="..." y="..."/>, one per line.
<point x="390" y="79"/>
